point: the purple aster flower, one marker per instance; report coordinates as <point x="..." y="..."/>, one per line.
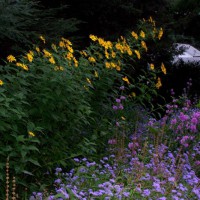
<point x="118" y="100"/>
<point x="126" y="194"/>
<point x="58" y="170"/>
<point x="197" y="192"/>
<point x="91" y="164"/>
<point x="162" y="198"/>
<point x="122" y="97"/>
<point x="171" y="179"/>
<point x="76" y="160"/>
<point x="115" y="107"/>
<point x="146" y="192"/>
<point x="51" y="197"/>
<point x="122" y="88"/>
<point x="58" y="181"/>
<point x="130" y="145"/>
<point x="121" y="107"/>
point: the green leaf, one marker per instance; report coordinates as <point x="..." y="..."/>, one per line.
<point x="20" y="138"/>
<point x="35" y="162"/>
<point x="33" y="148"/>
<point x="27" y="172"/>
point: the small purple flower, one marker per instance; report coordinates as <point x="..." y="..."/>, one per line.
<point x="76" y="160"/>
<point x="118" y="100"/>
<point x="126" y="194"/>
<point x="121" y="107"/>
<point x="115" y="107"/>
<point x="58" y="170"/>
<point x="173" y="121"/>
<point x="162" y="198"/>
<point x="112" y="141"/>
<point x="131" y="145"/>
<point x="194" y="120"/>
<point x="122" y="97"/>
<point x="91" y="164"/>
<point x="197" y="162"/>
<point x="193" y="128"/>
<point x="146" y="192"/>
<point x="122" y="88"/>
<point x="196" y="191"/>
<point x="171" y="179"/>
<point x="58" y="181"/>
<point x="183" y="117"/>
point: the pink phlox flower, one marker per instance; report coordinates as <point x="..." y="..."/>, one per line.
<point x="112" y="141"/>
<point x="173" y="121"/>
<point x="183" y="117"/>
<point x="194" y="120"/>
<point x="193" y="128"/>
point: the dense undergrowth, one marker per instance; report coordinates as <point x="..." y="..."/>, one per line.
<point x="61" y="107"/>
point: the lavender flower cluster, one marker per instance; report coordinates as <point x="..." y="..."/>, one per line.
<point x="159" y="174"/>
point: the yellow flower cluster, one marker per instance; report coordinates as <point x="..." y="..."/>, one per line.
<point x="69" y="56"/>
<point x="31" y="134"/>
<point x="46" y="53"/>
<point x="125" y="79"/>
<point x="137" y="53"/>
<point x="84" y="53"/>
<point x="43" y="39"/>
<point x="53" y="46"/>
<point x="22" y="65"/>
<point x="134" y="35"/>
<point x="112" y="65"/>
<point x="160" y="33"/>
<point x="30" y="56"/>
<point x="163" y="69"/>
<point x="11" y="58"/>
<point x="89" y="81"/>
<point x="133" y="94"/>
<point x="96" y="74"/>
<point x="123" y="118"/>
<point x="59" y="68"/>
<point x="123" y="47"/>
<point x="93" y="37"/>
<point x="37" y="49"/>
<point x="106" y="54"/>
<point x="75" y="62"/>
<point x="158" y="84"/>
<point x="105" y="44"/>
<point x="91" y="59"/>
<point x="64" y="43"/>
<point x="51" y="60"/>
<point x="144" y="46"/>
<point x="113" y="54"/>
<point x="1" y="82"/>
<point x="142" y="34"/>
<point x="152" y="21"/>
<point x="152" y="66"/>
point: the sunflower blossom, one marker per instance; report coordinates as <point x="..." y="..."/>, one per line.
<point x="11" y="58"/>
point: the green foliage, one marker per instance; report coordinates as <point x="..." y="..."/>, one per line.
<point x="64" y="98"/>
<point x="53" y="103"/>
